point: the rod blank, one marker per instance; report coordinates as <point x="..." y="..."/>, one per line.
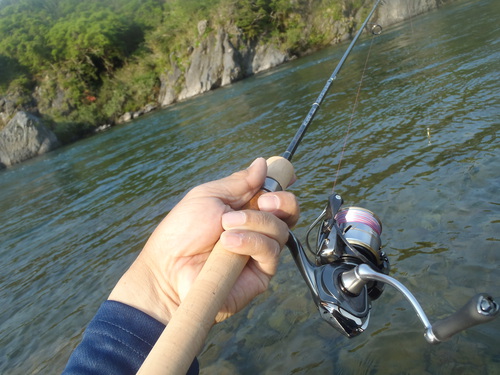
<point x="294" y="144"/>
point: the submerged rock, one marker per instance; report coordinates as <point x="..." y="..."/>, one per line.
<point x="23" y="138"/>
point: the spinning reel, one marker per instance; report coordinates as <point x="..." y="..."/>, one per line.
<point x="350" y="270"/>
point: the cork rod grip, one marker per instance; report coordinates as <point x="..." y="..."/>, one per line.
<point x="184" y="337"/>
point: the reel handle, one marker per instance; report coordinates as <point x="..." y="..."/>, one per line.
<point x="480" y="309"/>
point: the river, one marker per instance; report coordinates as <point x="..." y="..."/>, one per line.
<point x="422" y="153"/>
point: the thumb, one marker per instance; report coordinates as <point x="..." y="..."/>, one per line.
<point x="238" y="188"/>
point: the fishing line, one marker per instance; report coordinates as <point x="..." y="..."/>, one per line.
<point x="411" y="17"/>
<point x="376" y="30"/>
<point x="359" y="215"/>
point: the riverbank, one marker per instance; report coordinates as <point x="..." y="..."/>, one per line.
<point x="218" y="50"/>
<point x="422" y="154"/>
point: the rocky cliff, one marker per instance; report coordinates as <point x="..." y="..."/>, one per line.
<point x="23" y="138"/>
<point x="219" y="56"/>
<point x="394" y="11"/>
<point x="224" y="56"/>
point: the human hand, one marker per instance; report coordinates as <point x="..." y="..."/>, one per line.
<point x="164" y="271"/>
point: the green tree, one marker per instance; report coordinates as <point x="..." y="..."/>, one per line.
<point x="22" y="35"/>
<point x="89" y="43"/>
<point x="11" y="70"/>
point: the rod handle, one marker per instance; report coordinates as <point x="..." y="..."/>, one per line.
<point x="480" y="309"/>
<point x="184" y="336"/>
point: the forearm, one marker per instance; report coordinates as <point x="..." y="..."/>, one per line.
<point x="117" y="341"/>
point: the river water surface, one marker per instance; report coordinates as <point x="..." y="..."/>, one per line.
<point x="422" y="153"/>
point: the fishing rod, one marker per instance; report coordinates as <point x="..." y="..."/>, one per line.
<point x="349" y="271"/>
<point x="350" y="268"/>
<point x="294" y="144"/>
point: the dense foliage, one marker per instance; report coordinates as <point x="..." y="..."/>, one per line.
<point x="93" y="60"/>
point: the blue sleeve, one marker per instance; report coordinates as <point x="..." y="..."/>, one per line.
<point x="117" y="341"/>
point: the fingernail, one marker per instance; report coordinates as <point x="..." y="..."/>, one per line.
<point x="269" y="202"/>
<point x="233" y="219"/>
<point x="230" y="239"/>
<point x="253" y="163"/>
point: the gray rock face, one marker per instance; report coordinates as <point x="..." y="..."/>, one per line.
<point x="205" y="71"/>
<point x="202" y="27"/>
<point x="7" y="109"/>
<point x="231" y="61"/>
<point x="267" y="57"/>
<point x="223" y="56"/>
<point x="220" y="59"/>
<point x="169" y="83"/>
<point x="24" y="137"/>
<point x="126" y="117"/>
<point x="400" y="10"/>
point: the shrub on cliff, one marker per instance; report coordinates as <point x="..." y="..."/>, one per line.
<point x="89" y="62"/>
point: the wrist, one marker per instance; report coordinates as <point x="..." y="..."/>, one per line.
<point x="138" y="288"/>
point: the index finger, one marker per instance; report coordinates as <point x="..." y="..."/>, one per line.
<point x="282" y="204"/>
